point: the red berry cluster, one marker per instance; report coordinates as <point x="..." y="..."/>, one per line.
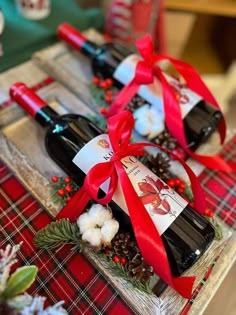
<point x="178" y="185"/>
<point x="65" y="188"/>
<point x="106" y="85"/>
<point x="115" y="258"/>
<point x="119" y="260"/>
<point x="103" y="83"/>
<point x="209" y="213"/>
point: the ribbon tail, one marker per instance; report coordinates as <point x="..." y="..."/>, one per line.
<point x="213" y="162"/>
<point x="175" y="126"/>
<point x="76" y="205"/>
<point x="184" y="286"/>
<point x="222" y="130"/>
<point x="123" y="99"/>
<point x="195" y="82"/>
<point x="149" y="240"/>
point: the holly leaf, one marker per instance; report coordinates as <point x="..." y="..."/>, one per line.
<point x="20" y="281"/>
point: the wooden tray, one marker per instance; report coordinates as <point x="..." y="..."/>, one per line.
<point x="22" y="149"/>
<point x="73" y="70"/>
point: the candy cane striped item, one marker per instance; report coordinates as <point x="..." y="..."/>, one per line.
<point x="128" y="20"/>
<point x="118" y="23"/>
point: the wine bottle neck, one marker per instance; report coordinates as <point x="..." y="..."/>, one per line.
<point x="46" y="116"/>
<point x="33" y="104"/>
<point x="76" y="39"/>
<point x="89" y="49"/>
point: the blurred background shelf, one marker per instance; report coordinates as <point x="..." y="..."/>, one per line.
<point x="217" y="7"/>
<point x="206" y="33"/>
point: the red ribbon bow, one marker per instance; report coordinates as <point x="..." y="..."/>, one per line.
<point x="146" y="71"/>
<point x="149" y="241"/>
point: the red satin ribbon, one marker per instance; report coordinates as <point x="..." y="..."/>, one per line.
<point x="149" y="241"/>
<point x="146" y="71"/>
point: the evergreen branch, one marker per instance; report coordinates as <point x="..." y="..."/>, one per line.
<point x="188" y="193"/>
<point x="99" y="94"/>
<point x="54" y="196"/>
<point x="217" y="227"/>
<point x="56" y="234"/>
<point x="58" y="200"/>
<point x="60" y="184"/>
<point x="63" y="232"/>
<point x="119" y="270"/>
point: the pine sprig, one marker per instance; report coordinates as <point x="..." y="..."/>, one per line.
<point x="57" y="234"/>
<point x="188" y="193"/>
<point x="58" y="200"/>
<point x="99" y="94"/>
<point x="59" y="183"/>
<point x="119" y="271"/>
<point x="217" y="227"/>
<point x="62" y="232"/>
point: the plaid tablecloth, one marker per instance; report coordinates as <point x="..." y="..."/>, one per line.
<point x="220" y="187"/>
<point x="65" y="275"/>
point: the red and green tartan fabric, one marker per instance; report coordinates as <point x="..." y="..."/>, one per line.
<point x="69" y="276"/>
<point x="220" y="187"/>
<point x="63" y="275"/>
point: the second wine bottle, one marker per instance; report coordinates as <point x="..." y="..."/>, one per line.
<point x="111" y="60"/>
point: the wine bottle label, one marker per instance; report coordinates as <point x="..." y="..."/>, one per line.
<point x="161" y="202"/>
<point x="152" y="93"/>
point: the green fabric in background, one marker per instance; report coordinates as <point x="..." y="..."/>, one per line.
<point x="22" y="37"/>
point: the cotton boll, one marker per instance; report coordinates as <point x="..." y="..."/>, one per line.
<point x="142" y="126"/>
<point x="141" y="111"/>
<point x="109" y="230"/>
<point x="85" y="222"/>
<point x="99" y="214"/>
<point x="142" y="120"/>
<point x="157" y="126"/>
<point x="148" y="122"/>
<point x="93" y="236"/>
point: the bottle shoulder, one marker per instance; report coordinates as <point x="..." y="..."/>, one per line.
<point x="73" y="125"/>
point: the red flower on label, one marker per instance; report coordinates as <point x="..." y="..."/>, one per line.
<point x="159" y="184"/>
<point x="161" y="210"/>
<point x="146" y="187"/>
<point x="150" y="195"/>
<point x="148" y="198"/>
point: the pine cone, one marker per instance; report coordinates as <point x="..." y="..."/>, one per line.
<point x="165" y="140"/>
<point x="159" y="165"/>
<point x="124" y="245"/>
<point x="135" y="103"/>
<point x="139" y="269"/>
